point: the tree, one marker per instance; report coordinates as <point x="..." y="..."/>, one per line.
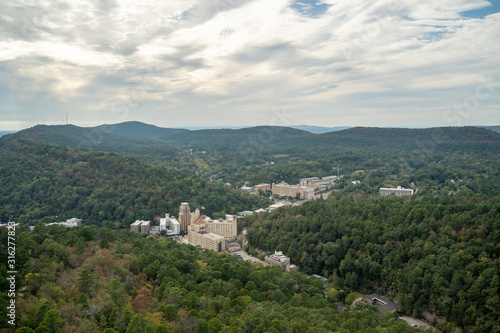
<point x="138" y="324"/>
<point x="25" y="330"/>
<point x="53" y="321"/>
<point x="142" y="300"/>
<point x="215" y="325"/>
<point x="169" y="312"/>
<point x="86" y="281"/>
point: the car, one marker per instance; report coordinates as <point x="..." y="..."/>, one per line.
<point x="414" y="325"/>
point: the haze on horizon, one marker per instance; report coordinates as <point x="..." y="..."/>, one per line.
<point x="417" y="63"/>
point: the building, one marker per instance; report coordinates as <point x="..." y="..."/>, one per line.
<point x="140" y="226"/>
<point x="283" y="189"/>
<point x="263" y="187"/>
<point x="184" y="216"/>
<point x="170" y="224"/>
<point x="227" y="228"/>
<point x="73" y="222"/>
<point x="248" y="189"/>
<point x="279" y="205"/>
<point x="399" y="191"/>
<point x="278" y="259"/>
<point x="233" y="247"/>
<point x="154" y="230"/>
<point x="70" y="223"/>
<point x="381" y="303"/>
<point x="317" y="182"/>
<point x="206" y="240"/>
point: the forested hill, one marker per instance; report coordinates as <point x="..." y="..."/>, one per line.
<point x="100" y="280"/>
<point x="439" y="254"/>
<point x="380" y="156"/>
<point x="40" y="182"/>
<point x="398" y="139"/>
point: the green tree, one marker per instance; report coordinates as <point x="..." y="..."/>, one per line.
<point x="25" y="330"/>
<point x="86" y="281"/>
<point x="53" y="321"/>
<point x="138" y="324"/>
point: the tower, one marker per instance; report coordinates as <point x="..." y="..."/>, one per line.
<point x="184" y="216"/>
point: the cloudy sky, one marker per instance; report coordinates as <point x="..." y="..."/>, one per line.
<point x="406" y="63"/>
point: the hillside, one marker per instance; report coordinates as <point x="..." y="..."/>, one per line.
<point x="39" y="182"/>
<point x="386" y="156"/>
<point x="100" y="280"/>
<point x="437" y="253"/>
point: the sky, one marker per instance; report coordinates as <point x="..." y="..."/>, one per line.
<point x="404" y="63"/>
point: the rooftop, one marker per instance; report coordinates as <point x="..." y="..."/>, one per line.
<point x="382" y="303"/>
<point x="212" y="235"/>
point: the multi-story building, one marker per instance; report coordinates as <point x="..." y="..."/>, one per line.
<point x="399" y="191"/>
<point x="184" y="216"/>
<point x="227" y="228"/>
<point x="317" y="182"/>
<point x="283" y="189"/>
<point x="140" y="226"/>
<point x="205" y="239"/>
<point x="278" y="259"/>
<point x="263" y="187"/>
<point x="170" y="224"/>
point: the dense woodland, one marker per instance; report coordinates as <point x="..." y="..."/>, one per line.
<point x="40" y="183"/>
<point x="101" y="280"/>
<point x="429" y="158"/>
<point x="439" y="254"/>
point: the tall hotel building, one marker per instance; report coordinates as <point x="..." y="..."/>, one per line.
<point x="184" y="216"/>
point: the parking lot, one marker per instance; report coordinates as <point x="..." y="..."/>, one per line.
<point x="246" y="256"/>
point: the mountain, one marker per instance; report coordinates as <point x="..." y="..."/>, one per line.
<point x="492" y="128"/>
<point x="386" y="156"/>
<point x="2" y="133"/>
<point x="319" y="129"/>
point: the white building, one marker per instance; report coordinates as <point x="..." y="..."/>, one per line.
<point x="399" y="191"/>
<point x="73" y="222"/>
<point x="170" y="224"/>
<point x="278" y="259"/>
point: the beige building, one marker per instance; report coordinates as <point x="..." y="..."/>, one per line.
<point x="263" y="187"/>
<point x="186" y="217"/>
<point x="283" y="189"/>
<point x="399" y="191"/>
<point x="278" y="259"/>
<point x="205" y="240"/>
<point x="227" y="228"/>
<point x="142" y="227"/>
<point x="316" y="181"/>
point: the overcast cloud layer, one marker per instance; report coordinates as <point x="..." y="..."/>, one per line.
<point x="261" y="62"/>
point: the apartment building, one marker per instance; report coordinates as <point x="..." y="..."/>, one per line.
<point x="140" y="226"/>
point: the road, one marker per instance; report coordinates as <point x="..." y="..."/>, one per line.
<point x="414" y="321"/>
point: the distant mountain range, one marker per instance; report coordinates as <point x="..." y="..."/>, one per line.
<point x="136" y="139"/>
<point x="2" y="133"/>
<point x="240" y="155"/>
<point x="140" y="130"/>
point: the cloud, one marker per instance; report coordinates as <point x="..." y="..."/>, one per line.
<point x="210" y="62"/>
